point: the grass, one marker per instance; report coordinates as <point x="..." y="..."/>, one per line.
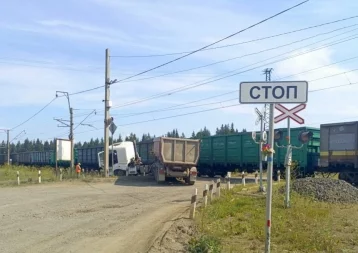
<point x="237" y="221"/>
<point x="29" y="175"/>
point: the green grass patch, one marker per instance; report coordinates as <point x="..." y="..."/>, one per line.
<point x="29" y="175"/>
<point x="237" y="221"/>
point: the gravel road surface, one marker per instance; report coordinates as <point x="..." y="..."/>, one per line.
<point x="123" y="216"/>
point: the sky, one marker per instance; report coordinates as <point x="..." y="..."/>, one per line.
<point x="60" y="46"/>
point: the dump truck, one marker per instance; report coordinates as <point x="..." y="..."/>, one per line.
<point x="171" y="158"/>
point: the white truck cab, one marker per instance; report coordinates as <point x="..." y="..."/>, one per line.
<point x="123" y="152"/>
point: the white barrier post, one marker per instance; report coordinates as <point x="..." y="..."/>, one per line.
<point x="228" y="182"/>
<point x="243" y="178"/>
<point x="211" y="187"/>
<point x="218" y="187"/>
<point x="61" y="174"/>
<point x="205" y="195"/>
<point x="83" y="173"/>
<point x="18" y="178"/>
<point x="278" y="176"/>
<point x="39" y="176"/>
<point x="193" y="204"/>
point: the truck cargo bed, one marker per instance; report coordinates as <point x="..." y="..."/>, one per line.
<point x="177" y="150"/>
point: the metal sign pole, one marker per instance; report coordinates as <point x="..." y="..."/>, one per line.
<point x="260" y="154"/>
<point x="288" y="167"/>
<point x="112" y="155"/>
<point x="269" y="181"/>
<point x="285" y="92"/>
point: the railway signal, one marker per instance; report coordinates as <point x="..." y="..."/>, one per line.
<point x="305" y="136"/>
<point x="263" y="139"/>
<point x="289" y="92"/>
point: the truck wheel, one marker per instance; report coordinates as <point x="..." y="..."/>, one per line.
<point x="187" y="181"/>
<point x="191" y="182"/>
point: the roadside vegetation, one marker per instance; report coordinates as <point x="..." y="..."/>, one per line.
<point x="29" y="175"/>
<point x="236" y="223"/>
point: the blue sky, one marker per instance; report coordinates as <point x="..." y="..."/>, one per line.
<point x="49" y="46"/>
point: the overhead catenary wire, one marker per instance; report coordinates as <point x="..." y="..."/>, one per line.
<point x="84" y="119"/>
<point x="180" y="106"/>
<point x="236" y="44"/>
<point x="211" y="109"/>
<point x="207" y="65"/>
<point x="216" y="42"/>
<point x="234" y="73"/>
<point x="33" y="116"/>
<point x="245" y="55"/>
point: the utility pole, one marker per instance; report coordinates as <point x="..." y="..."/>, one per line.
<point x="8" y="144"/>
<point x="106" y="114"/>
<point x="267" y="72"/>
<point x="70" y="136"/>
<point x="8" y="147"/>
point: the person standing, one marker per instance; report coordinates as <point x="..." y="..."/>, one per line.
<point x="78" y="169"/>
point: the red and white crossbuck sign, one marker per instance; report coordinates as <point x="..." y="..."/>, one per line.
<point x="290" y="113"/>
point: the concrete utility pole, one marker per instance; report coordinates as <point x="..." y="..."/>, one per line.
<point x="267" y="72"/>
<point x="106" y="114"/>
<point x="71" y="138"/>
<point x="8" y="147"/>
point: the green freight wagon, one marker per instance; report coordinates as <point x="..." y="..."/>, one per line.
<point x="220" y="154"/>
<point x="306" y="159"/>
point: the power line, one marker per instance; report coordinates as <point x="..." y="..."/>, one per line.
<point x="180" y="71"/>
<point x="94" y="111"/>
<point x="324" y="66"/>
<point x="180" y="106"/>
<point x="195" y="51"/>
<point x="43" y="108"/>
<point x="170" y="109"/>
<point x="212" y="109"/>
<point x="227" y="75"/>
<point x="240" y="43"/>
<point x="245" y="55"/>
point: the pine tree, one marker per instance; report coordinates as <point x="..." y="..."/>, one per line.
<point x="193" y="135"/>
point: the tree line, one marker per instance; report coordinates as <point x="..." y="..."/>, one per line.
<point x="38" y="145"/>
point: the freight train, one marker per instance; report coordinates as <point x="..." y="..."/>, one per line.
<point x="333" y="148"/>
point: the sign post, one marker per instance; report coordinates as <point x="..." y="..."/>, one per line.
<point x="289" y="114"/>
<point x="289" y="92"/>
<point x="113" y="129"/>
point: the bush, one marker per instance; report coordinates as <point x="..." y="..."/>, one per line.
<point x="204" y="244"/>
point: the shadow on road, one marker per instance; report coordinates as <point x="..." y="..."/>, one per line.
<point x="147" y="181"/>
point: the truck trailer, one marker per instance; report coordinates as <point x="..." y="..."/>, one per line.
<point x="171" y="158"/>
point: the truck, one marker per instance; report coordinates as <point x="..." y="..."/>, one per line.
<point x="169" y="157"/>
<point x="125" y="159"/>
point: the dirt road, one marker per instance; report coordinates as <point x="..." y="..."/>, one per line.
<point x="126" y="216"/>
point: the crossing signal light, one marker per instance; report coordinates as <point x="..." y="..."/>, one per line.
<point x="278" y="135"/>
<point x="305" y="136"/>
